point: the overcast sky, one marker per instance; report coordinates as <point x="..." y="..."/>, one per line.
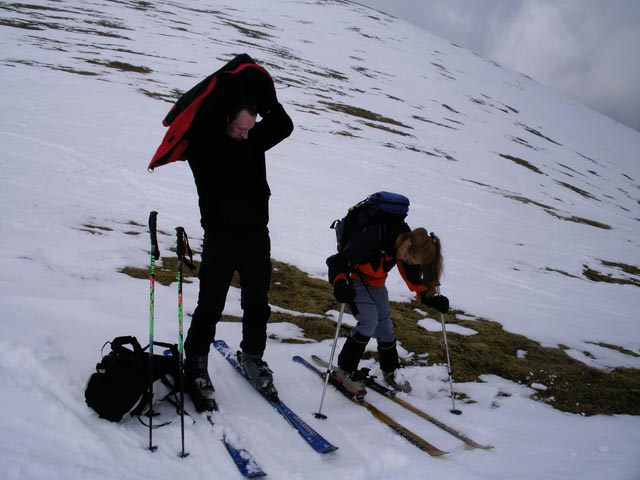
<point x="586" y="49"/>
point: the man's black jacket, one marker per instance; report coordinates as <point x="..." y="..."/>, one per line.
<point x="231" y="176"/>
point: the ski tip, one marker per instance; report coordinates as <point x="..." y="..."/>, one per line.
<point x="438" y="453"/>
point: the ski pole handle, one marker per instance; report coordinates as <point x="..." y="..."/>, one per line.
<point x="183" y="249"/>
<point x="180" y="242"/>
<point x="155" y="251"/>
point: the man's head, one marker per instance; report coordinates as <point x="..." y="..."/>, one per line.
<point x="241" y="118"/>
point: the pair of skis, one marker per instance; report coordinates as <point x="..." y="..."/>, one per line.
<point x="410" y="436"/>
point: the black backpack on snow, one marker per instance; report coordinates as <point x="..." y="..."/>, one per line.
<point x="378" y="208"/>
<point x="121" y="382"/>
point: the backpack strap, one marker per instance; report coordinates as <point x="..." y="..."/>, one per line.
<point x="172" y="347"/>
<point x="118" y="343"/>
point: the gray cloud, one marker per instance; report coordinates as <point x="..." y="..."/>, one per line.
<point x="585" y="49"/>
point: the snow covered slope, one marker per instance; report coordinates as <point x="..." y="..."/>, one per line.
<point x="525" y="188"/>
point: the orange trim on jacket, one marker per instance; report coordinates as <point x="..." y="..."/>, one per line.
<point x="374" y="277"/>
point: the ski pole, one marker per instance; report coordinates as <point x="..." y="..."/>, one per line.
<point x="180" y="249"/>
<point x="155" y="255"/>
<point x="319" y="413"/>
<point x="454" y="410"/>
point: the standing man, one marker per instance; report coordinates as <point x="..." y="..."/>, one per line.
<point x="226" y="153"/>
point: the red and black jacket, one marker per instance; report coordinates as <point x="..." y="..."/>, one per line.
<point x="210" y="94"/>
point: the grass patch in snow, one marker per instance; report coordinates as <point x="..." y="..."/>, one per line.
<point x="248" y="32"/>
<point x="630" y="270"/>
<point x="166" y="271"/>
<point x="387" y="129"/>
<point x="363" y="114"/>
<point x="121" y="66"/>
<point x="547" y="208"/>
<point x="561" y="381"/>
<point x="95" y="229"/>
<point x="537" y="133"/>
<point x="616" y="348"/>
<point x="584" y="221"/>
<point x="522" y="163"/>
<point x="571" y="386"/>
<point x="579" y="191"/>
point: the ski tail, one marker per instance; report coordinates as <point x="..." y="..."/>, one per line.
<point x="401" y="430"/>
<point x="247" y="466"/>
<point x="245" y="462"/>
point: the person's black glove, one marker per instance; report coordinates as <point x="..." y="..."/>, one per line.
<point x="267" y="103"/>
<point x="264" y="92"/>
<point x="437" y="302"/>
<point x="343" y="292"/>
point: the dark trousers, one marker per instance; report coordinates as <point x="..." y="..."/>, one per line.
<point x="222" y="256"/>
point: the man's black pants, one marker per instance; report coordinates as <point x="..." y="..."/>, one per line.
<point x="223" y="255"/>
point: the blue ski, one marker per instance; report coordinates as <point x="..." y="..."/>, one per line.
<point x="246" y="464"/>
<point x="313" y="438"/>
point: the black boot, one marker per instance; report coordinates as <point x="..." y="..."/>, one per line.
<point x="258" y="372"/>
<point x="389" y="365"/>
<point x="347" y="374"/>
<point x="352" y="352"/>
<point x="388" y="354"/>
<point x="198" y="384"/>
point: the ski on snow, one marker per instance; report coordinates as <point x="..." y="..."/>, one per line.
<point x="313" y="438"/>
<point x="401" y="430"/>
<point x="391" y="395"/>
<point x="245" y="462"/>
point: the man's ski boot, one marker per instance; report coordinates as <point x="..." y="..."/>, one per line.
<point x="198" y="384"/>
<point x="258" y="373"/>
<point x="397" y="381"/>
<point x="352" y="383"/>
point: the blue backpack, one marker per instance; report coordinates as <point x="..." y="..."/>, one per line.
<point x="377" y="208"/>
